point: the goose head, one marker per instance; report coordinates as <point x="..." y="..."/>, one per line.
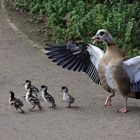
<point x="11" y="95"/>
<point x="43" y="88"/>
<point x="103" y="35"/>
<point x="28" y="82"/>
<point x="64" y="89"/>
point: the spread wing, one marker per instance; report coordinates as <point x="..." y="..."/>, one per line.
<point x="132" y="67"/>
<point x="74" y="56"/>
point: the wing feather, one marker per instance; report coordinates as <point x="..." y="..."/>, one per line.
<point x="77" y="65"/>
<point x="76" y="57"/>
<point x="132" y="68"/>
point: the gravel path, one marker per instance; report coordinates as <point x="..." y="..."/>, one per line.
<point x="87" y="120"/>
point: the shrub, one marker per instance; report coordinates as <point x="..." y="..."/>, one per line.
<point x="80" y="19"/>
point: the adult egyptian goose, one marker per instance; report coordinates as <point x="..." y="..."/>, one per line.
<point x="106" y="68"/>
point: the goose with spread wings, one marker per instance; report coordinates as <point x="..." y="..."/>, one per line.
<point x="109" y="69"/>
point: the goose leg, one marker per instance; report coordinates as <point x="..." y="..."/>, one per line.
<point x="53" y="105"/>
<point x="40" y="107"/>
<point x="21" y="110"/>
<point x="124" y="109"/>
<point x="108" y="99"/>
<point x="69" y="105"/>
<point x="32" y="108"/>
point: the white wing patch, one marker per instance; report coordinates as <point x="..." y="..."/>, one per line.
<point x="132" y="67"/>
<point x="96" y="54"/>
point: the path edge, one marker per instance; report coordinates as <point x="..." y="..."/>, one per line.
<point x="20" y="33"/>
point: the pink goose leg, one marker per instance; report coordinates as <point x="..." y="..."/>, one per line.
<point x="108" y="99"/>
<point x="124" y="109"/>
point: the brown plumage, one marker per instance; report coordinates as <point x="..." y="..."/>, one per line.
<point x="113" y="76"/>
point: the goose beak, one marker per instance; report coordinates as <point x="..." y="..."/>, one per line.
<point x="95" y="39"/>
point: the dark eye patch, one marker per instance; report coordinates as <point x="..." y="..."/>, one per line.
<point x="102" y="33"/>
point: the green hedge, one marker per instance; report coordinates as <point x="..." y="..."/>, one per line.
<point x="80" y="19"/>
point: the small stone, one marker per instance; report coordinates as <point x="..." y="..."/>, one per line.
<point x="35" y="46"/>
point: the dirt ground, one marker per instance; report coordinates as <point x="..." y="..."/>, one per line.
<point x="87" y="120"/>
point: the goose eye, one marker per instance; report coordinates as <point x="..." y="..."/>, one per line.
<point x="102" y="33"/>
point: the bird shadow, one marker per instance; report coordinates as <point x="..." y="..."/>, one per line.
<point x="60" y="108"/>
<point x="28" y="111"/>
<point x="73" y="107"/>
<point x="135" y="109"/>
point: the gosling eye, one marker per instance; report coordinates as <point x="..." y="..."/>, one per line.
<point x="102" y="33"/>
